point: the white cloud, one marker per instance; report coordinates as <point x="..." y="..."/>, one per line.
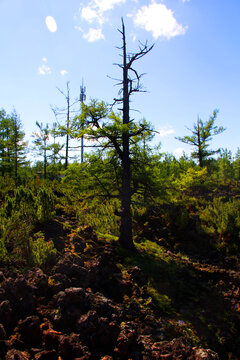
<point x="93" y="35"/>
<point x="44" y="70"/>
<point x="159" y="20"/>
<point x="165" y="131"/>
<point x="179" y="151"/>
<point x="89" y="14"/>
<point x="63" y="72"/>
<point x="105" y="5"/>
<point x="51" y="23"/>
<point x="155" y="17"/>
<point x="95" y="13"/>
<point x="78" y="28"/>
<point x="183" y="1"/>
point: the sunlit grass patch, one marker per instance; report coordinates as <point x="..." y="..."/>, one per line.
<point x="162" y="301"/>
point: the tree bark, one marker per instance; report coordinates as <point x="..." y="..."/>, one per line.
<point x="45" y="164"/>
<point x="68" y="120"/>
<point x="126" y="238"/>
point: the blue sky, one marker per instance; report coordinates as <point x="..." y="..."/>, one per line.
<point x="193" y="69"/>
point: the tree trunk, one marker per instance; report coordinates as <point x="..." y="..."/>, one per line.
<point x="68" y="120"/>
<point x="125" y="238"/>
<point x="45" y="164"/>
<point x="199" y="142"/>
<point x="16" y="165"/>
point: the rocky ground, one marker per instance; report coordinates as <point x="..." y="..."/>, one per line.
<point x="87" y="306"/>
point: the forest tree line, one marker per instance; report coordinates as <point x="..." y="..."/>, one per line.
<point x="14" y="149"/>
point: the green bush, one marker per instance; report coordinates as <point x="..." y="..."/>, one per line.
<point x="221" y="220"/>
<point x="3" y="251"/>
<point x="100" y="214"/>
<point x="6" y="185"/>
<point x="19" y="215"/>
<point x="192" y="178"/>
<point x="162" y="301"/>
<point x="45" y="204"/>
<point x="39" y="207"/>
<point x="15" y="234"/>
<point x="22" y="202"/>
<point x="43" y="252"/>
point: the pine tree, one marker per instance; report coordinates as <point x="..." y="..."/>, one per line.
<point x="236" y="165"/>
<point x="202" y="133"/>
<point x="19" y="146"/>
<point x="41" y="142"/>
<point x="12" y="145"/>
<point x="118" y="131"/>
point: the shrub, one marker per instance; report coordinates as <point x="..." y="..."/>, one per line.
<point x="192" y="178"/>
<point x="19" y="215"/>
<point x="15" y="234"/>
<point x="163" y="301"/>
<point x="43" y="252"/>
<point x="45" y="203"/>
<point x="222" y="221"/>
<point x="100" y="215"/>
<point x="22" y="202"/>
<point x="3" y="250"/>
<point x="6" y="185"/>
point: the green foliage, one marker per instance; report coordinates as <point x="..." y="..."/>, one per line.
<point x="45" y="204"/>
<point x="43" y="146"/>
<point x="192" y="178"/>
<point x="225" y="170"/>
<point x="3" y="251"/>
<point x="43" y="252"/>
<point x="15" y="234"/>
<point x="221" y="220"/>
<point x="6" y="184"/>
<point x="162" y="301"/>
<point x="202" y="133"/>
<point x="99" y="214"/>
<point x="22" y="203"/>
<point x="12" y="144"/>
<point x="19" y="215"/>
<point x="236" y="165"/>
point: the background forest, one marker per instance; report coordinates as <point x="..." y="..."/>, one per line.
<point x="196" y="198"/>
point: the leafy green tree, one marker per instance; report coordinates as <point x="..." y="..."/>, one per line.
<point x="236" y="165"/>
<point x="48" y="150"/>
<point x="102" y="124"/>
<point x="19" y="146"/>
<point x="5" y="143"/>
<point x="12" y="145"/>
<point x="107" y="129"/>
<point x="202" y="134"/>
<point x="224" y="164"/>
<point x="41" y="142"/>
<point x="55" y="146"/>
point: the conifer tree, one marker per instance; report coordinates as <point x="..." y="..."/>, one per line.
<point x="41" y="142"/>
<point x="12" y="144"/>
<point x="202" y="133"/>
<point x="19" y="146"/>
<point x="118" y="131"/>
<point x="65" y="113"/>
<point x="236" y="165"/>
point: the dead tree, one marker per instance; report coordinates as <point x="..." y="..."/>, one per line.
<point x="65" y="130"/>
<point x="96" y="117"/>
<point x="130" y="84"/>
